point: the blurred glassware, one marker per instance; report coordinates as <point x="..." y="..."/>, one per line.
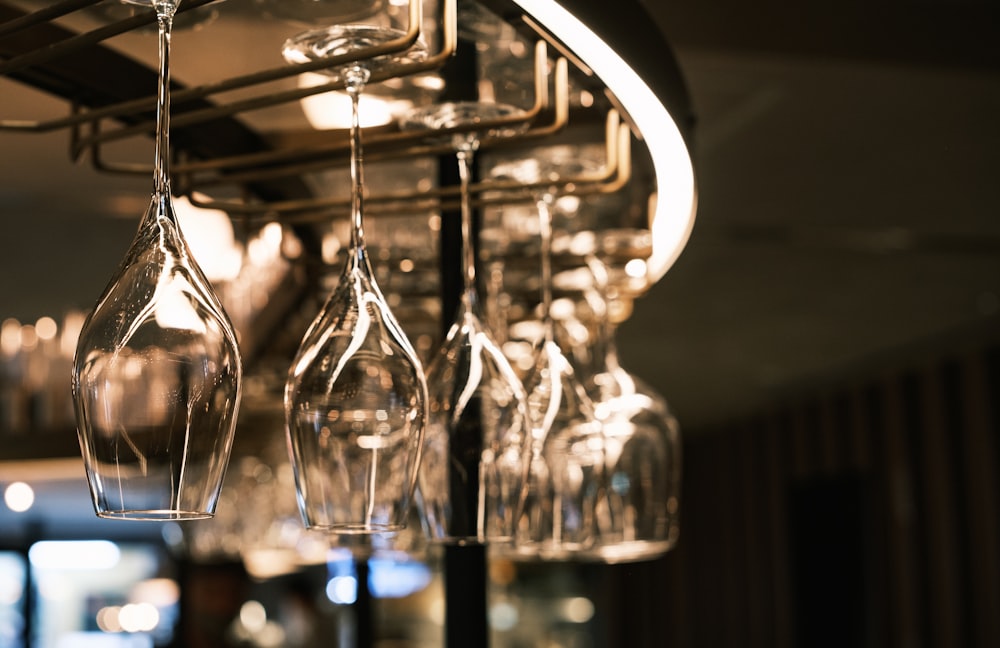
<point x="478" y="440"/>
<point x="157" y="374"/>
<point x="642" y="443"/>
<point x="566" y="497"/>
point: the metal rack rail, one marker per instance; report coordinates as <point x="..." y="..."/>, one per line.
<point x="108" y="102"/>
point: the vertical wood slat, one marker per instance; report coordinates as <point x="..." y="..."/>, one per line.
<point x="677" y="563"/>
<point x="798" y="442"/>
<point x="703" y="537"/>
<point x="733" y="541"/>
<point x="776" y="470"/>
<point x="928" y="449"/>
<point x="829" y="432"/>
<point x="869" y="454"/>
<point x="901" y="572"/>
<point x="940" y="521"/>
<point x="755" y="560"/>
<point x="981" y="413"/>
<point x="859" y="433"/>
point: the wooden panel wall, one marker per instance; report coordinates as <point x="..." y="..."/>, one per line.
<point x="869" y="514"/>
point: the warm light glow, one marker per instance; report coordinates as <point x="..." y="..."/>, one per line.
<point x="46" y="328"/>
<point x="577" y="609"/>
<point x="263" y="563"/>
<point x="330" y="247"/>
<point x="72" y="325"/>
<point x="107" y="618"/>
<point x="138" y="617"/>
<point x="436" y="611"/>
<point x="672" y="214"/>
<point x="29" y="337"/>
<point x="174" y="309"/>
<point x="503" y="616"/>
<point x="253" y="616"/>
<point x="19" y="497"/>
<point x="575" y="279"/>
<point x="10" y="337"/>
<point x="636" y="268"/>
<point x="273" y="235"/>
<point x="562" y="309"/>
<point x="161" y="592"/>
<point x="332" y="110"/>
<point x="209" y="235"/>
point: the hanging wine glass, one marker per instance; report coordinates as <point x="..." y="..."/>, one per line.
<point x="566" y="509"/>
<point x="117" y="10"/>
<point x="477" y="448"/>
<point x="356" y="397"/>
<point x="642" y="442"/>
<point x="157" y="373"/>
<point x="312" y="12"/>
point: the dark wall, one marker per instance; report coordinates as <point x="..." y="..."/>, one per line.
<point x="868" y="515"/>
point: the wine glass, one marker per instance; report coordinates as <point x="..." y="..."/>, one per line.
<point x="567" y="507"/>
<point x="642" y="442"/>
<point x="356" y="396"/>
<point x="117" y="10"/>
<point x="477" y="448"/>
<point x="306" y="12"/>
<point x="157" y="373"/>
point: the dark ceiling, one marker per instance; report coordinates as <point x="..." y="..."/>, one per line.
<point x="846" y="161"/>
<point x="848" y="203"/>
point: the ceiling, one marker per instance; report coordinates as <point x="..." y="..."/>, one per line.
<point x="848" y="201"/>
<point x="848" y="205"/>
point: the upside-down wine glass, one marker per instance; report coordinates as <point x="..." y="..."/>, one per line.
<point x="356" y="396"/>
<point x="157" y="373"/>
<point x="566" y="508"/>
<point x="319" y="12"/>
<point x="478" y="442"/>
<point x="642" y="442"/>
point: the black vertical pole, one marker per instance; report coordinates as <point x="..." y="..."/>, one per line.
<point x="465" y="564"/>
<point x="465" y="596"/>
<point x="28" y="602"/>
<point x="363" y="618"/>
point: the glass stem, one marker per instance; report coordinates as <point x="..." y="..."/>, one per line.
<point x="465" y="157"/>
<point x="161" y="169"/>
<point x="545" y="252"/>
<point x="356" y="77"/>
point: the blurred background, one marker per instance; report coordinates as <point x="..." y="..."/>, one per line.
<point x="828" y="340"/>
